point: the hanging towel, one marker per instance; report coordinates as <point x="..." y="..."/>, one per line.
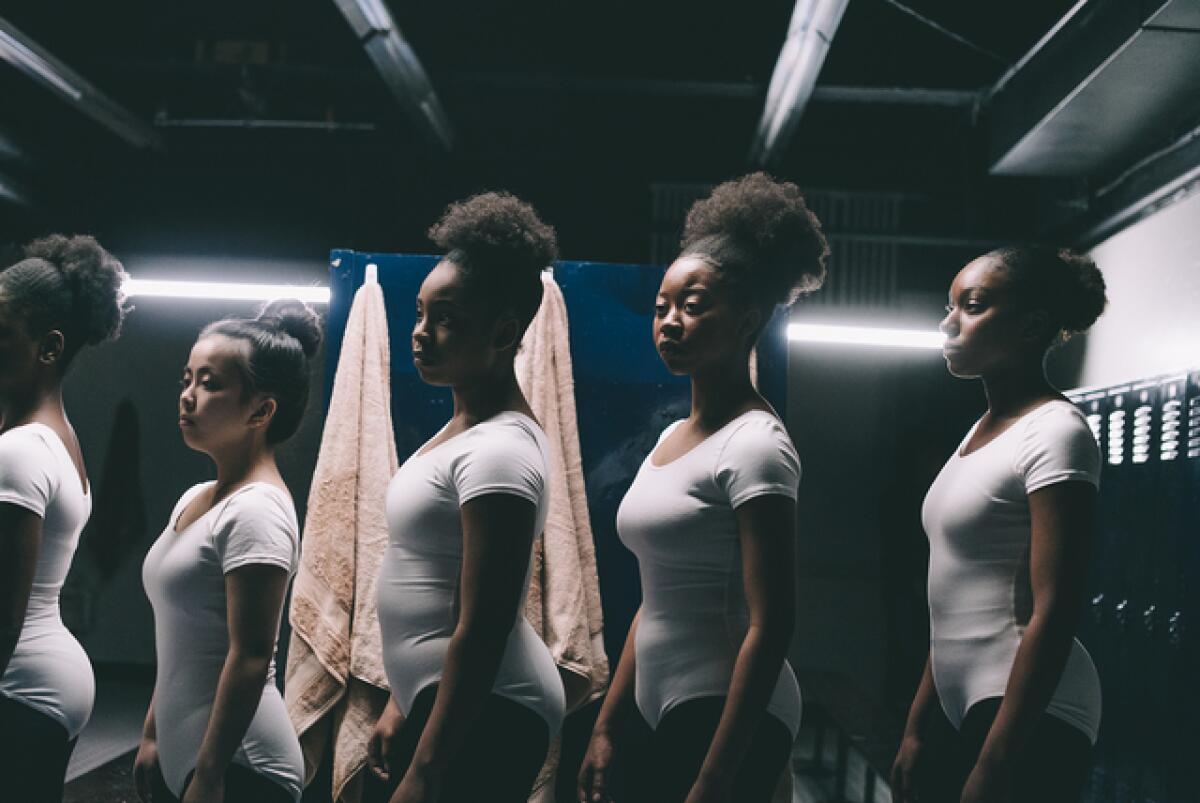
<point x="564" y="595"/>
<point x="335" y="686"/>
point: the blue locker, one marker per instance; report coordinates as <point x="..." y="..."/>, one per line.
<point x="624" y="396"/>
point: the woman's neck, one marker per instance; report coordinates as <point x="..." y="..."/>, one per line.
<point x="44" y="404"/>
<point x="721" y="393"/>
<point x="244" y="462"/>
<point x="493" y="394"/>
<point x="1010" y="391"/>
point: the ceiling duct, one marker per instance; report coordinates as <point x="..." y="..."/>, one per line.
<point x="1111" y="82"/>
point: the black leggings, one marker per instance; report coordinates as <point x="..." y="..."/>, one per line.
<point x="498" y="762"/>
<point x="242" y="785"/>
<point x="681" y="741"/>
<point x="34" y="751"/>
<point x="1053" y="767"/>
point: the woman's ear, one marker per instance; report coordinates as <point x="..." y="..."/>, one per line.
<point x="263" y="412"/>
<point x="50" y="350"/>
<point x="751" y="325"/>
<point x="1036" y="326"/>
<point x="507" y="334"/>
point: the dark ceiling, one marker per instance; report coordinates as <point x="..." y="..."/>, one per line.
<point x="580" y="106"/>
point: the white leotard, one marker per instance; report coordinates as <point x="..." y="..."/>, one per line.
<point x="49" y="671"/>
<point x="418" y="589"/>
<point x="976" y="515"/>
<point x="680" y="521"/>
<point x="184" y="575"/>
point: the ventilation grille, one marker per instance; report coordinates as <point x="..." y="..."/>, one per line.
<point x="864" y="260"/>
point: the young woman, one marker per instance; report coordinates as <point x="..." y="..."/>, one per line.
<point x="1009" y="704"/>
<point x="217" y="729"/>
<point x="711" y="518"/>
<point x="479" y="692"/>
<point x="66" y="294"/>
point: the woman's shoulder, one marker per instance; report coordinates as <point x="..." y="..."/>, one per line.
<point x="1055" y="418"/>
<point x="263" y="502"/>
<point x="757" y="430"/>
<point x="510" y="429"/>
<point x="27" y="440"/>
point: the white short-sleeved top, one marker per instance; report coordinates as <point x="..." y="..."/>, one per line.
<point x="977" y="518"/>
<point x="679" y="520"/>
<point x="418" y="588"/>
<point x="184" y="576"/>
<point x="48" y="671"/>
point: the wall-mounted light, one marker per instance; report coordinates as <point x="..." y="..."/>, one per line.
<point x="864" y="336"/>
<point x="228" y="291"/>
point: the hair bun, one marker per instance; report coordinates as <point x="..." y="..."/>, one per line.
<point x="1085" y="292"/>
<point x="95" y="279"/>
<point x="765" y="224"/>
<point x="294" y="317"/>
<point x="497" y="227"/>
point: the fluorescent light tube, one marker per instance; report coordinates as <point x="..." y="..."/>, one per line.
<point x="229" y="291"/>
<point x="864" y="336"/>
<point x="23" y="58"/>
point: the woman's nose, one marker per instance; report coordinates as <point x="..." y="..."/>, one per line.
<point x="946" y="325"/>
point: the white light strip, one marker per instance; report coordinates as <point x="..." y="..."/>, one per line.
<point x="25" y="59"/>
<point x="229" y="291"/>
<point x="864" y="336"/>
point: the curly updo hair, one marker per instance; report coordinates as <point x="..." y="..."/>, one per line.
<point x="1066" y="284"/>
<point x="70" y="284"/>
<point x="501" y="246"/>
<point x="278" y="345"/>
<point x="761" y="236"/>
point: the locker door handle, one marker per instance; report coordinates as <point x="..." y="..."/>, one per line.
<point x="1121" y="609"/>
<point x="1148" y="618"/>
<point x="1098" y="608"/>
<point x="1175" y="628"/>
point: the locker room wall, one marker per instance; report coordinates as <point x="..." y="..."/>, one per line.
<point x="122" y="400"/>
<point x="1152" y="324"/>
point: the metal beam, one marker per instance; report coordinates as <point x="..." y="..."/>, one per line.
<point x="1156" y="182"/>
<point x="31" y="59"/>
<point x="714" y="90"/>
<point x="398" y="65"/>
<point x="813" y="25"/>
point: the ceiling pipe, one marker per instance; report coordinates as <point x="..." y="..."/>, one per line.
<point x="398" y="65"/>
<point x="813" y="25"/>
<point x="28" y="57"/>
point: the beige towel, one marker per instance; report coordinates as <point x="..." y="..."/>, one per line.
<point x="335" y="685"/>
<point x="564" y="595"/>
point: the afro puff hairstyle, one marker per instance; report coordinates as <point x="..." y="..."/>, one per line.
<point x="761" y="236"/>
<point x="501" y="245"/>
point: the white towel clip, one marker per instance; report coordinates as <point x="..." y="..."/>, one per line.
<point x="372" y="273"/>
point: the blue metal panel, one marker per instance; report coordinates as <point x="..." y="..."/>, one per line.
<point x="624" y="396"/>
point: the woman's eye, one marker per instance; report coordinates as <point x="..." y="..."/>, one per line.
<point x="660" y="310"/>
<point x="691" y="308"/>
